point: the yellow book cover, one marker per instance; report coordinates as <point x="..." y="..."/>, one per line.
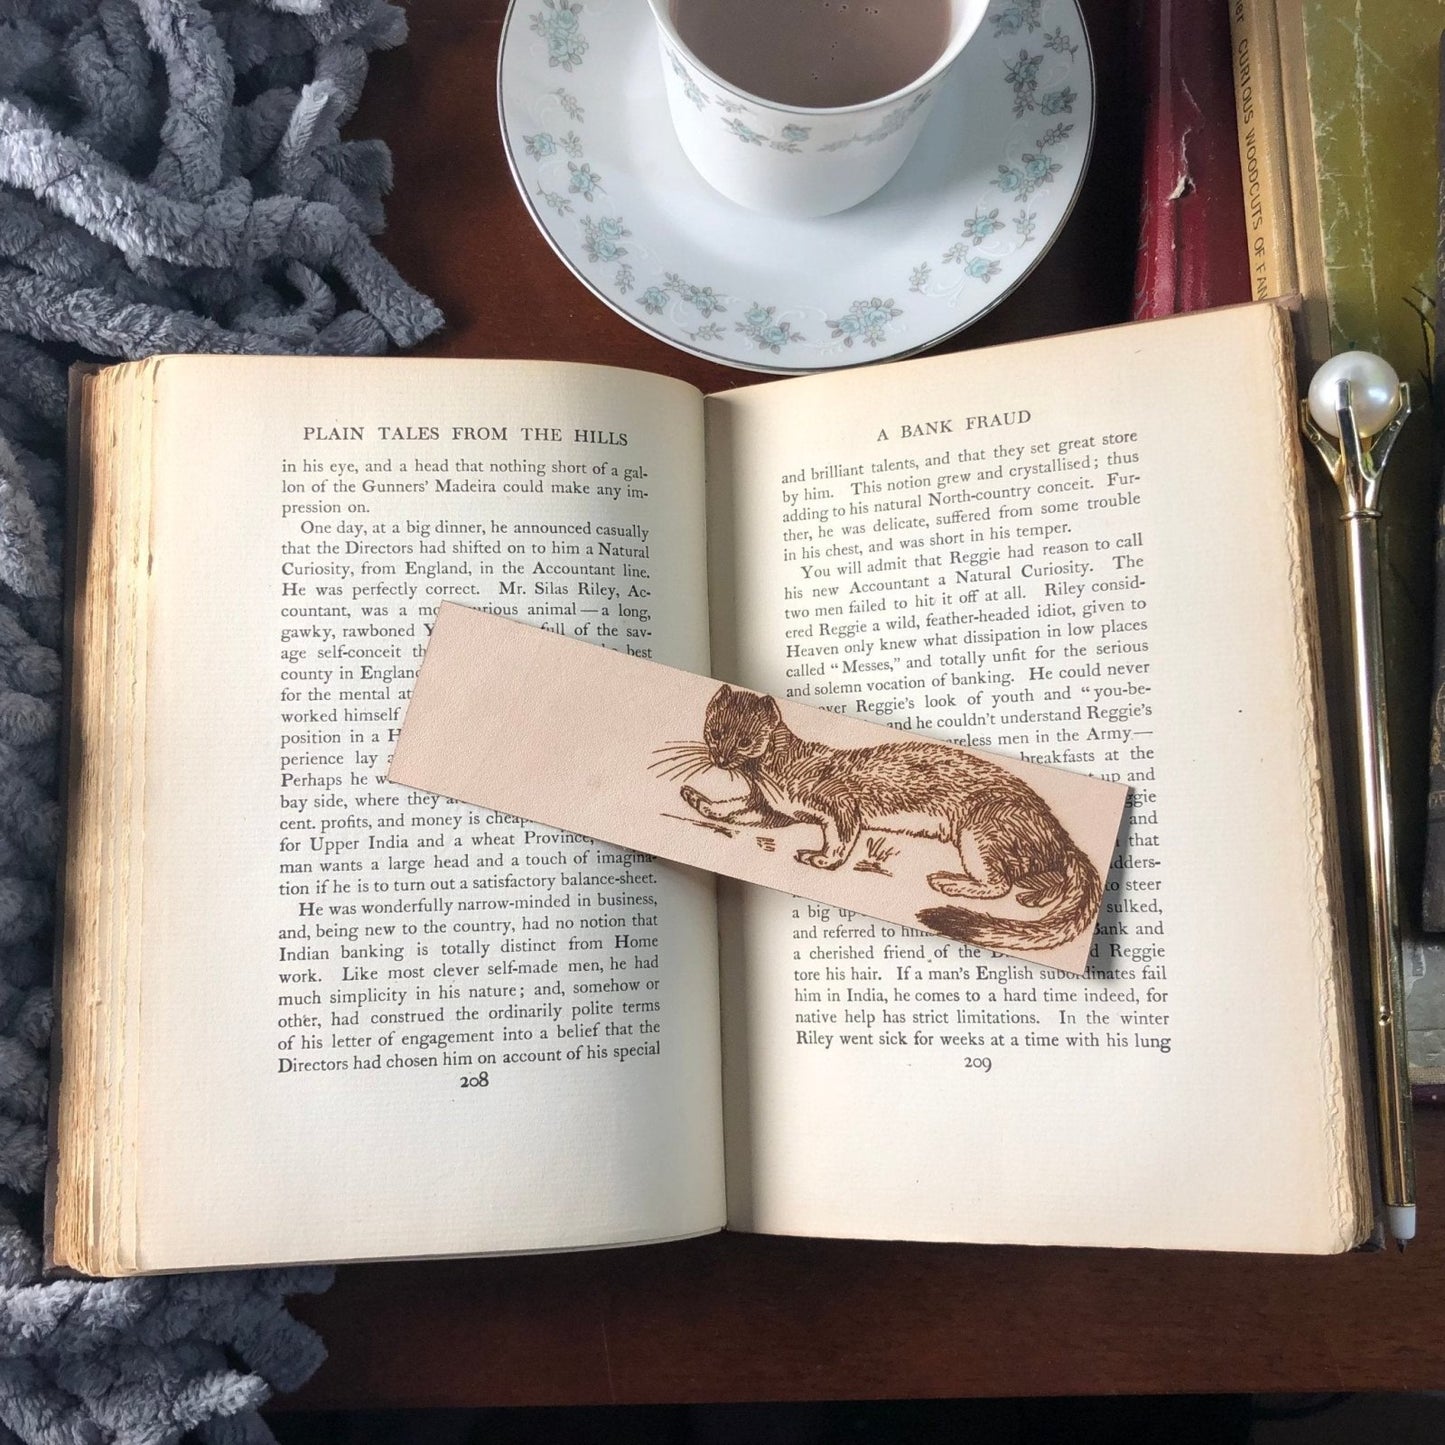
<point x="1337" y="110"/>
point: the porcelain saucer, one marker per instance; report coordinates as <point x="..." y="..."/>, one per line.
<point x="980" y="199"/>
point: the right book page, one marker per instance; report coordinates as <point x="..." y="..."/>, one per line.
<point x="1090" y="551"/>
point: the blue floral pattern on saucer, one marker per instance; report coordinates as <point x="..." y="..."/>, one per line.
<point x="865" y="321"/>
<point x="560" y="25"/>
<point x="987" y="188"/>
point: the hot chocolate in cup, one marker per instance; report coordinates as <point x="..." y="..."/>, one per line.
<point x="805" y="107"/>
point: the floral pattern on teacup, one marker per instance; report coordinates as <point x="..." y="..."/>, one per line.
<point x="744" y="131"/>
<point x="891" y="124"/>
<point x="689" y="85"/>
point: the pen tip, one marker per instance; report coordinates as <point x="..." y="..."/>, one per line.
<point x="1400" y="1245"/>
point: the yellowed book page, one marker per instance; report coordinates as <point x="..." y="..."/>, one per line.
<point x="375" y="1023"/>
<point x="1085" y="551"/>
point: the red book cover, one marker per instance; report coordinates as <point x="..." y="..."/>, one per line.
<point x="1192" y="247"/>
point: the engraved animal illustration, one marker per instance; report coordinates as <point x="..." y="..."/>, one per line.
<point x="1007" y="838"/>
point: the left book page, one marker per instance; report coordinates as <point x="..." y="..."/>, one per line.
<point x="323" y="1017"/>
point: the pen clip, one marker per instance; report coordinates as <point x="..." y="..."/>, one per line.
<point x="1356" y="464"/>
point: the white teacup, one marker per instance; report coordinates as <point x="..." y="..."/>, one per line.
<point x="790" y="159"/>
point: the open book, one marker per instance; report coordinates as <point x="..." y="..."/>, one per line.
<point x="308" y="1014"/>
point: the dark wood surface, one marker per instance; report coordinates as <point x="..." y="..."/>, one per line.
<point x="734" y="1318"/>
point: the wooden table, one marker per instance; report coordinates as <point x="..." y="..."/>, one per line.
<point x="733" y="1318"/>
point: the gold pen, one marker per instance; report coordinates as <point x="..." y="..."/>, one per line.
<point x="1354" y="412"/>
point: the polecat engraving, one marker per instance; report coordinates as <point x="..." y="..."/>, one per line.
<point x="1007" y="837"/>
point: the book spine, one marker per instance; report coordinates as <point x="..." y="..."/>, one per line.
<point x="1433" y="903"/>
<point x="1192" y="248"/>
<point x="1263" y="148"/>
<point x="1304" y="211"/>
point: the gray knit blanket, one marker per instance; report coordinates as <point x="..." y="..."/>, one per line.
<point x="172" y="178"/>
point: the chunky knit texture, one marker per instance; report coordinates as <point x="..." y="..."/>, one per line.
<point x="172" y="178"/>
